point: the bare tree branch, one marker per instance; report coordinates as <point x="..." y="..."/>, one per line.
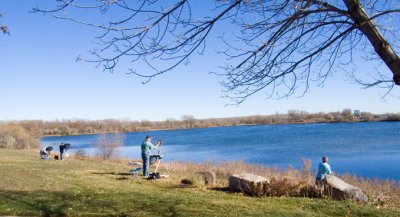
<point x="278" y="46"/>
<point x="3" y="27"/>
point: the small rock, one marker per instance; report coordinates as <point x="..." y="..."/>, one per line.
<point x="186" y="182"/>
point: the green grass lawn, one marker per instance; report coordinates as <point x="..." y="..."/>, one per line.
<point x="30" y="186"/>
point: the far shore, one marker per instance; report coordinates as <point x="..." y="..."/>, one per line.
<point x="77" y="127"/>
<point x="237" y="125"/>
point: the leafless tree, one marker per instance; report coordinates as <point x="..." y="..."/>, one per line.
<point x="189" y="121"/>
<point x="279" y="46"/>
<point x="108" y="143"/>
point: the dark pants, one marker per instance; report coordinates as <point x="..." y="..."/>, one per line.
<point x="146" y="162"/>
<point x="61" y="152"/>
<point x="320" y="182"/>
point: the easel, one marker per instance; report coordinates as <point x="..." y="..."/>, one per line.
<point x="158" y="157"/>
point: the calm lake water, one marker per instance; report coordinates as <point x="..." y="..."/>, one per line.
<point x="364" y="149"/>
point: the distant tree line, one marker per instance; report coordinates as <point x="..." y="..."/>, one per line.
<point x="23" y="134"/>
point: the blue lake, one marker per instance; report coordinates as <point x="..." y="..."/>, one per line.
<point x="363" y="149"/>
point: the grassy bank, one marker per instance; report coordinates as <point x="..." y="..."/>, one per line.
<point x="88" y="187"/>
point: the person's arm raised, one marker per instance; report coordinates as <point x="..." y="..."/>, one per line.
<point x="158" y="143"/>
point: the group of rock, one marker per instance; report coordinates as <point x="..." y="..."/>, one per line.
<point x="254" y="185"/>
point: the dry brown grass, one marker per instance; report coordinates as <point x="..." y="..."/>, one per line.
<point x="288" y="182"/>
<point x="381" y="192"/>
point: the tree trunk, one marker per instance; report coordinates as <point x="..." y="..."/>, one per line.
<point x="381" y="46"/>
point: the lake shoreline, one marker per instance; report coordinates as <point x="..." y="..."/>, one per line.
<point x="239" y="125"/>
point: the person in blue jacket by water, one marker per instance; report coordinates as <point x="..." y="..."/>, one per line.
<point x="324" y="169"/>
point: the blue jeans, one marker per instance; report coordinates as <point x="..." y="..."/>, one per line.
<point x="146" y="162"/>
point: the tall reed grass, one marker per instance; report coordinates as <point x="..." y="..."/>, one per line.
<point x="290" y="182"/>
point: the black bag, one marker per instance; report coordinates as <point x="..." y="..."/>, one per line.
<point x="154" y="176"/>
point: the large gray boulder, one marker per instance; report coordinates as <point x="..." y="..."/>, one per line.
<point x="247" y="183"/>
<point x="340" y="190"/>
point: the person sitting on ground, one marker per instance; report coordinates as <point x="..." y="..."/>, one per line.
<point x="49" y="149"/>
<point x="323" y="170"/>
<point x="146" y="147"/>
<point x="43" y="154"/>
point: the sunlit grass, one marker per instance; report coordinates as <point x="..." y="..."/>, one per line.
<point x="91" y="187"/>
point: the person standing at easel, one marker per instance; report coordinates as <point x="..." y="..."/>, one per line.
<point x="146" y="147"/>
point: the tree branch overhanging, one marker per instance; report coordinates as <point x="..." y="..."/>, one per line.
<point x="276" y="46"/>
<point x="3" y="27"/>
<point x="368" y="28"/>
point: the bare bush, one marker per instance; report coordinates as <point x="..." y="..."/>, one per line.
<point x="381" y="192"/>
<point x="81" y="154"/>
<point x="393" y="117"/>
<point x="15" y="136"/>
<point x="7" y="141"/>
<point x="347" y="115"/>
<point x="189" y="121"/>
<point x="107" y="144"/>
<point x="297" y="115"/>
<point x="367" y="116"/>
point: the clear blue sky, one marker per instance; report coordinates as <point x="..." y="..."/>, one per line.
<point x="40" y="79"/>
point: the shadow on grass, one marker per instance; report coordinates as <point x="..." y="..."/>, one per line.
<point x="36" y="203"/>
<point x="118" y="176"/>
<point x="224" y="189"/>
<point x="110" y="173"/>
<point x="122" y="178"/>
<point x="58" y="203"/>
<point x="67" y="203"/>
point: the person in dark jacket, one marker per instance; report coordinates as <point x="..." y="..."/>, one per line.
<point x="63" y="149"/>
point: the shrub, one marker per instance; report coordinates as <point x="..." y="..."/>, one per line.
<point x="15" y="136"/>
<point x="107" y="143"/>
<point x="366" y="116"/>
<point x="81" y="154"/>
<point x="7" y="141"/>
<point x="347" y="115"/>
<point x="393" y="117"/>
<point x="329" y="117"/>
